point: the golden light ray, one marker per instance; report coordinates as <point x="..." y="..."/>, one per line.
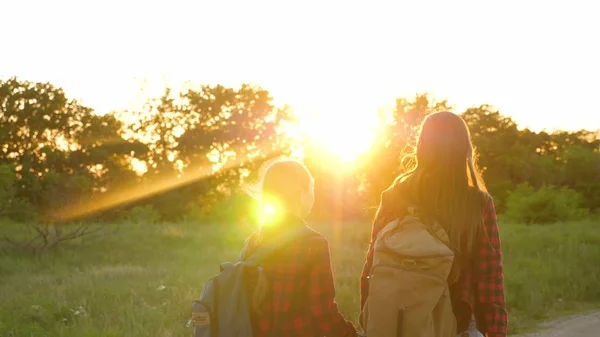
<point x="136" y="191"/>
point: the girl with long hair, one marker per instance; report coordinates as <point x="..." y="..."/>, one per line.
<point x="446" y="187"/>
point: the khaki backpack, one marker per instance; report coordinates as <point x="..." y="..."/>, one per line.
<point x="408" y="283"/>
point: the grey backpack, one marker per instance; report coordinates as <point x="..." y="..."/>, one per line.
<point x="223" y="309"/>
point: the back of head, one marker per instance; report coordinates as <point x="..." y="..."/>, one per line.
<point x="445" y="184"/>
<point x="286" y="186"/>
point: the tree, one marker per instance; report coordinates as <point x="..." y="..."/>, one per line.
<point x="11" y="206"/>
<point x="204" y="142"/>
<point x="233" y="129"/>
<point x="499" y="152"/>
<point x="62" y="152"/>
<point x="582" y="171"/>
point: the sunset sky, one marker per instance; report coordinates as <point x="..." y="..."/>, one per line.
<point x="538" y="62"/>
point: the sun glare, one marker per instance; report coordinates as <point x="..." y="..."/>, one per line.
<point x="342" y="137"/>
<point x="268" y="213"/>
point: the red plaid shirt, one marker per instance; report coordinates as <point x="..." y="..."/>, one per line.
<point x="301" y="295"/>
<point x="480" y="289"/>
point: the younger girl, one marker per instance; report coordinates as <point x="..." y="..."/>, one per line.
<point x="295" y="295"/>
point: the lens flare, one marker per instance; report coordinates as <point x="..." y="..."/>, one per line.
<point x="269" y="212"/>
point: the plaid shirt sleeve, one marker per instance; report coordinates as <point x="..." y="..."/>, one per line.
<point x="327" y="318"/>
<point x="490" y="307"/>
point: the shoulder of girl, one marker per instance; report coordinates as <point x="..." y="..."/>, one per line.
<point x="489" y="203"/>
<point x="316" y="235"/>
<point x="486" y="198"/>
<point x="315" y="238"/>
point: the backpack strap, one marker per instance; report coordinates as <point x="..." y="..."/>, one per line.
<point x="435" y="229"/>
<point x="388" y="228"/>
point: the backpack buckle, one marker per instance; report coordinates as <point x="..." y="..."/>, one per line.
<point x="409" y="264"/>
<point x="200" y="318"/>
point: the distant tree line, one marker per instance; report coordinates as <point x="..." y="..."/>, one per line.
<point x="545" y="177"/>
<point x="184" y="156"/>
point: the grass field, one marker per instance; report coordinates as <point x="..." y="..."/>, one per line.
<point x="140" y="281"/>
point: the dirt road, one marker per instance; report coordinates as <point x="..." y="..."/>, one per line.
<point x="580" y="325"/>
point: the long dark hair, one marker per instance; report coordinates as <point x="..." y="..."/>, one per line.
<point x="445" y="184"/>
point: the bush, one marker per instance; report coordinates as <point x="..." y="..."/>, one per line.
<point x="548" y="204"/>
<point x="145" y="214"/>
<point x="237" y="208"/>
<point x="11" y="206"/>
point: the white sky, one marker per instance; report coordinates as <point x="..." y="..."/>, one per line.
<point x="538" y="62"/>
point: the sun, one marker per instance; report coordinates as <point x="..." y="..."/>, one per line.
<point x="340" y="136"/>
